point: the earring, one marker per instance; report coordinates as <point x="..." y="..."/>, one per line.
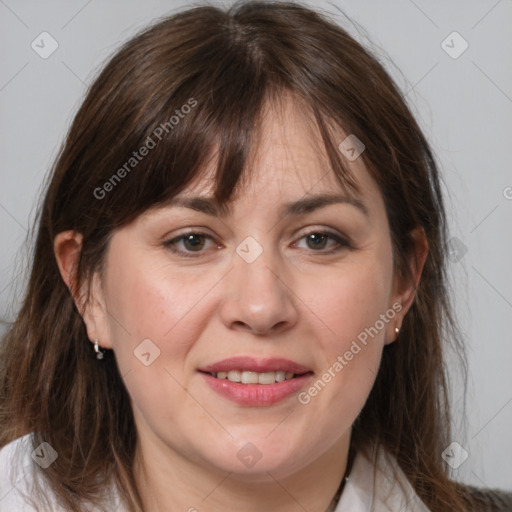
<point x="397" y="330"/>
<point x="98" y="350"/>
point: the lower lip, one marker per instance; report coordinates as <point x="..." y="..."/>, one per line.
<point x="256" y="395"/>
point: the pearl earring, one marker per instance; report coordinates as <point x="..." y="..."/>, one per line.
<point x="397" y="330"/>
<point x="98" y="350"/>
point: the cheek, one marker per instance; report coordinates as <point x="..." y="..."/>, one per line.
<point x="152" y="334"/>
<point x="353" y="318"/>
<point x="152" y="301"/>
<point x="353" y="301"/>
<point x="156" y="310"/>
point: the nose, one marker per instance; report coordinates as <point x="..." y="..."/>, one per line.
<point x="257" y="298"/>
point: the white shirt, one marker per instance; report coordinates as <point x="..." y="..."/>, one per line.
<point x="373" y="487"/>
<point x="366" y="490"/>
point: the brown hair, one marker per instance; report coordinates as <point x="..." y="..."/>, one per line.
<point x="223" y="65"/>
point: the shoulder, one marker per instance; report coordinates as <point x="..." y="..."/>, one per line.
<point x="16" y="475"/>
<point x="378" y="484"/>
<point x="22" y="488"/>
<point x="486" y="500"/>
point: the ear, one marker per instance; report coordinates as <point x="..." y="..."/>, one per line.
<point x="404" y="289"/>
<point x="89" y="297"/>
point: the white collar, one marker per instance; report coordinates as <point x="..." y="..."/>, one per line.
<point x="373" y="487"/>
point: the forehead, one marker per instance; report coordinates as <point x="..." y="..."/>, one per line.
<point x="288" y="156"/>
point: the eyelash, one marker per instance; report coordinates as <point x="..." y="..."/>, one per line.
<point x="342" y="242"/>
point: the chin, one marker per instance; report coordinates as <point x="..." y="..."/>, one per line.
<point x="263" y="470"/>
<point x="256" y="457"/>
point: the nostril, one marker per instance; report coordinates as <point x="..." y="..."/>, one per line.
<point x="239" y="324"/>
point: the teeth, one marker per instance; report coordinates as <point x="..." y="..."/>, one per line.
<point x="234" y="376"/>
<point x="280" y="376"/>
<point x="267" y="378"/>
<point x="247" y="377"/>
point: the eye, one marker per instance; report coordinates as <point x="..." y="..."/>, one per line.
<point x="192" y="242"/>
<point x="317" y="240"/>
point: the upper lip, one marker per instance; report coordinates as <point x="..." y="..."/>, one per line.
<point x="254" y="364"/>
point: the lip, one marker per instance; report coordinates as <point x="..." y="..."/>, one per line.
<point x="256" y="395"/>
<point x="253" y="364"/>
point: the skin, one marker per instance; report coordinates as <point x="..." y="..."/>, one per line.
<point x="294" y="301"/>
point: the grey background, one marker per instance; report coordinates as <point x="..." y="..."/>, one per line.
<point x="464" y="105"/>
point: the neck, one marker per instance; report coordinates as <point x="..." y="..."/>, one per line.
<point x="165" y="477"/>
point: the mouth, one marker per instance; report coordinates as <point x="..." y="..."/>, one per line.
<point x="253" y="377"/>
<point x="253" y="382"/>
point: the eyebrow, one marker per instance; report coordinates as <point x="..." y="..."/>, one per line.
<point x="302" y="206"/>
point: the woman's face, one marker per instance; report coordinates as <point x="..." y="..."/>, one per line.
<point x="261" y="293"/>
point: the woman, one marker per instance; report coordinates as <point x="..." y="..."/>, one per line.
<point x="238" y="293"/>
